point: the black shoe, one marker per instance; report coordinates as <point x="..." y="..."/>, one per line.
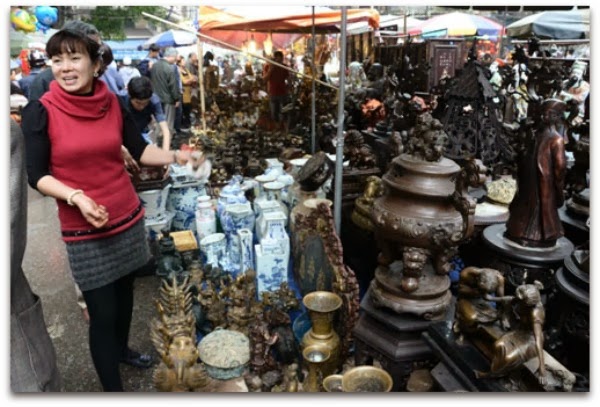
<point x="136" y="359"/>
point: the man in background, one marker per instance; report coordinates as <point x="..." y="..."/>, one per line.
<point x="276" y="78"/>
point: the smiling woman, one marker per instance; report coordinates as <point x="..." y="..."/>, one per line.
<point x="72" y="65"/>
<point x="74" y="134"/>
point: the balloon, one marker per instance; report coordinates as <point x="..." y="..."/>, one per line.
<point x="46" y="17"/>
<point x="22" y="20"/>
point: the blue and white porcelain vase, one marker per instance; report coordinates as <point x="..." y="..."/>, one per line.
<point x="231" y="193"/>
<point x="182" y="202"/>
<point x="262" y="207"/>
<point x="273" y="192"/>
<point x="206" y="220"/>
<point x="259" y="191"/>
<point x="154" y="201"/>
<point x="235" y="217"/>
<point x="212" y="249"/>
<point x="245" y="239"/>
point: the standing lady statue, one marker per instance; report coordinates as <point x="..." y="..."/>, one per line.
<point x="534" y="220"/>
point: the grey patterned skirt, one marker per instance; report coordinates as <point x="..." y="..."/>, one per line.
<point x="98" y="262"/>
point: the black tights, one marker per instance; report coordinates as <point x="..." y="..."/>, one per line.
<point x="110" y="309"/>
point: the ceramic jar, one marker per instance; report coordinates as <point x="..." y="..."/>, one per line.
<point x="206" y="220"/>
<point x="230" y="194"/>
<point x="154" y="201"/>
<point x="261" y="180"/>
<point x="225" y="353"/>
<point x="262" y="208"/>
<point x="273" y="192"/>
<point x="182" y="202"/>
<point x="274" y="166"/>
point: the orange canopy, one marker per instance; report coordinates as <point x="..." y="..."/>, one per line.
<point x="324" y="22"/>
<point x="210" y="17"/>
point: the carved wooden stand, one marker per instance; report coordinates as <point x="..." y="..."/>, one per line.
<point x="393" y="340"/>
<point x="523" y="265"/>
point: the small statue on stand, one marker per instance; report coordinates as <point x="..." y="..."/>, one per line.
<point x="361" y="215"/>
<point x="239" y="312"/>
<point x="479" y="289"/>
<point x="170" y="263"/>
<point x="576" y="90"/>
<point x="534" y="220"/>
<point x="525" y="340"/>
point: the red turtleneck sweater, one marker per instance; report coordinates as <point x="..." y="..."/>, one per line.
<point x="86" y="134"/>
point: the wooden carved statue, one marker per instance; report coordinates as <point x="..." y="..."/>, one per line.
<point x="174" y="336"/>
<point x="319" y="225"/>
<point x="534" y="220"/>
<point x="261" y="342"/>
<point x="359" y="154"/>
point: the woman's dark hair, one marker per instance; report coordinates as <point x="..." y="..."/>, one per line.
<point x="70" y="41"/>
<point x="139" y="88"/>
<point x="107" y="55"/>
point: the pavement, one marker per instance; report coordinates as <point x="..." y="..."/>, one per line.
<point x="47" y="269"/>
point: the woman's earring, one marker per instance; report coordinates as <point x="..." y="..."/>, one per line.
<point x="95" y="74"/>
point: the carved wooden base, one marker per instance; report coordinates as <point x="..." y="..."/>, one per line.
<point x="571" y="317"/>
<point x="522" y="265"/>
<point x="575" y="229"/>
<point x="460" y="360"/>
<point x="429" y="301"/>
<point x="393" y="340"/>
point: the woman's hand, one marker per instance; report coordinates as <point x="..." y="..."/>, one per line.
<point x="95" y="214"/>
<point x="130" y="164"/>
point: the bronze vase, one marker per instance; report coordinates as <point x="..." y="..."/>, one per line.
<point x="321" y="307"/>
<point x="316" y="356"/>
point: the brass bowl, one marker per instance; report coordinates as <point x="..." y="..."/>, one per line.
<point x="322" y="301"/>
<point x="333" y="383"/>
<point x="368" y="379"/>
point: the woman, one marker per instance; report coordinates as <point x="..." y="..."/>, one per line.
<point x="74" y="135"/>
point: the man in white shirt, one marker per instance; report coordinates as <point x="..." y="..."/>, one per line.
<point x="127" y="71"/>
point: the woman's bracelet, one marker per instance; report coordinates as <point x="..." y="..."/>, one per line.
<point x="72" y="195"/>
